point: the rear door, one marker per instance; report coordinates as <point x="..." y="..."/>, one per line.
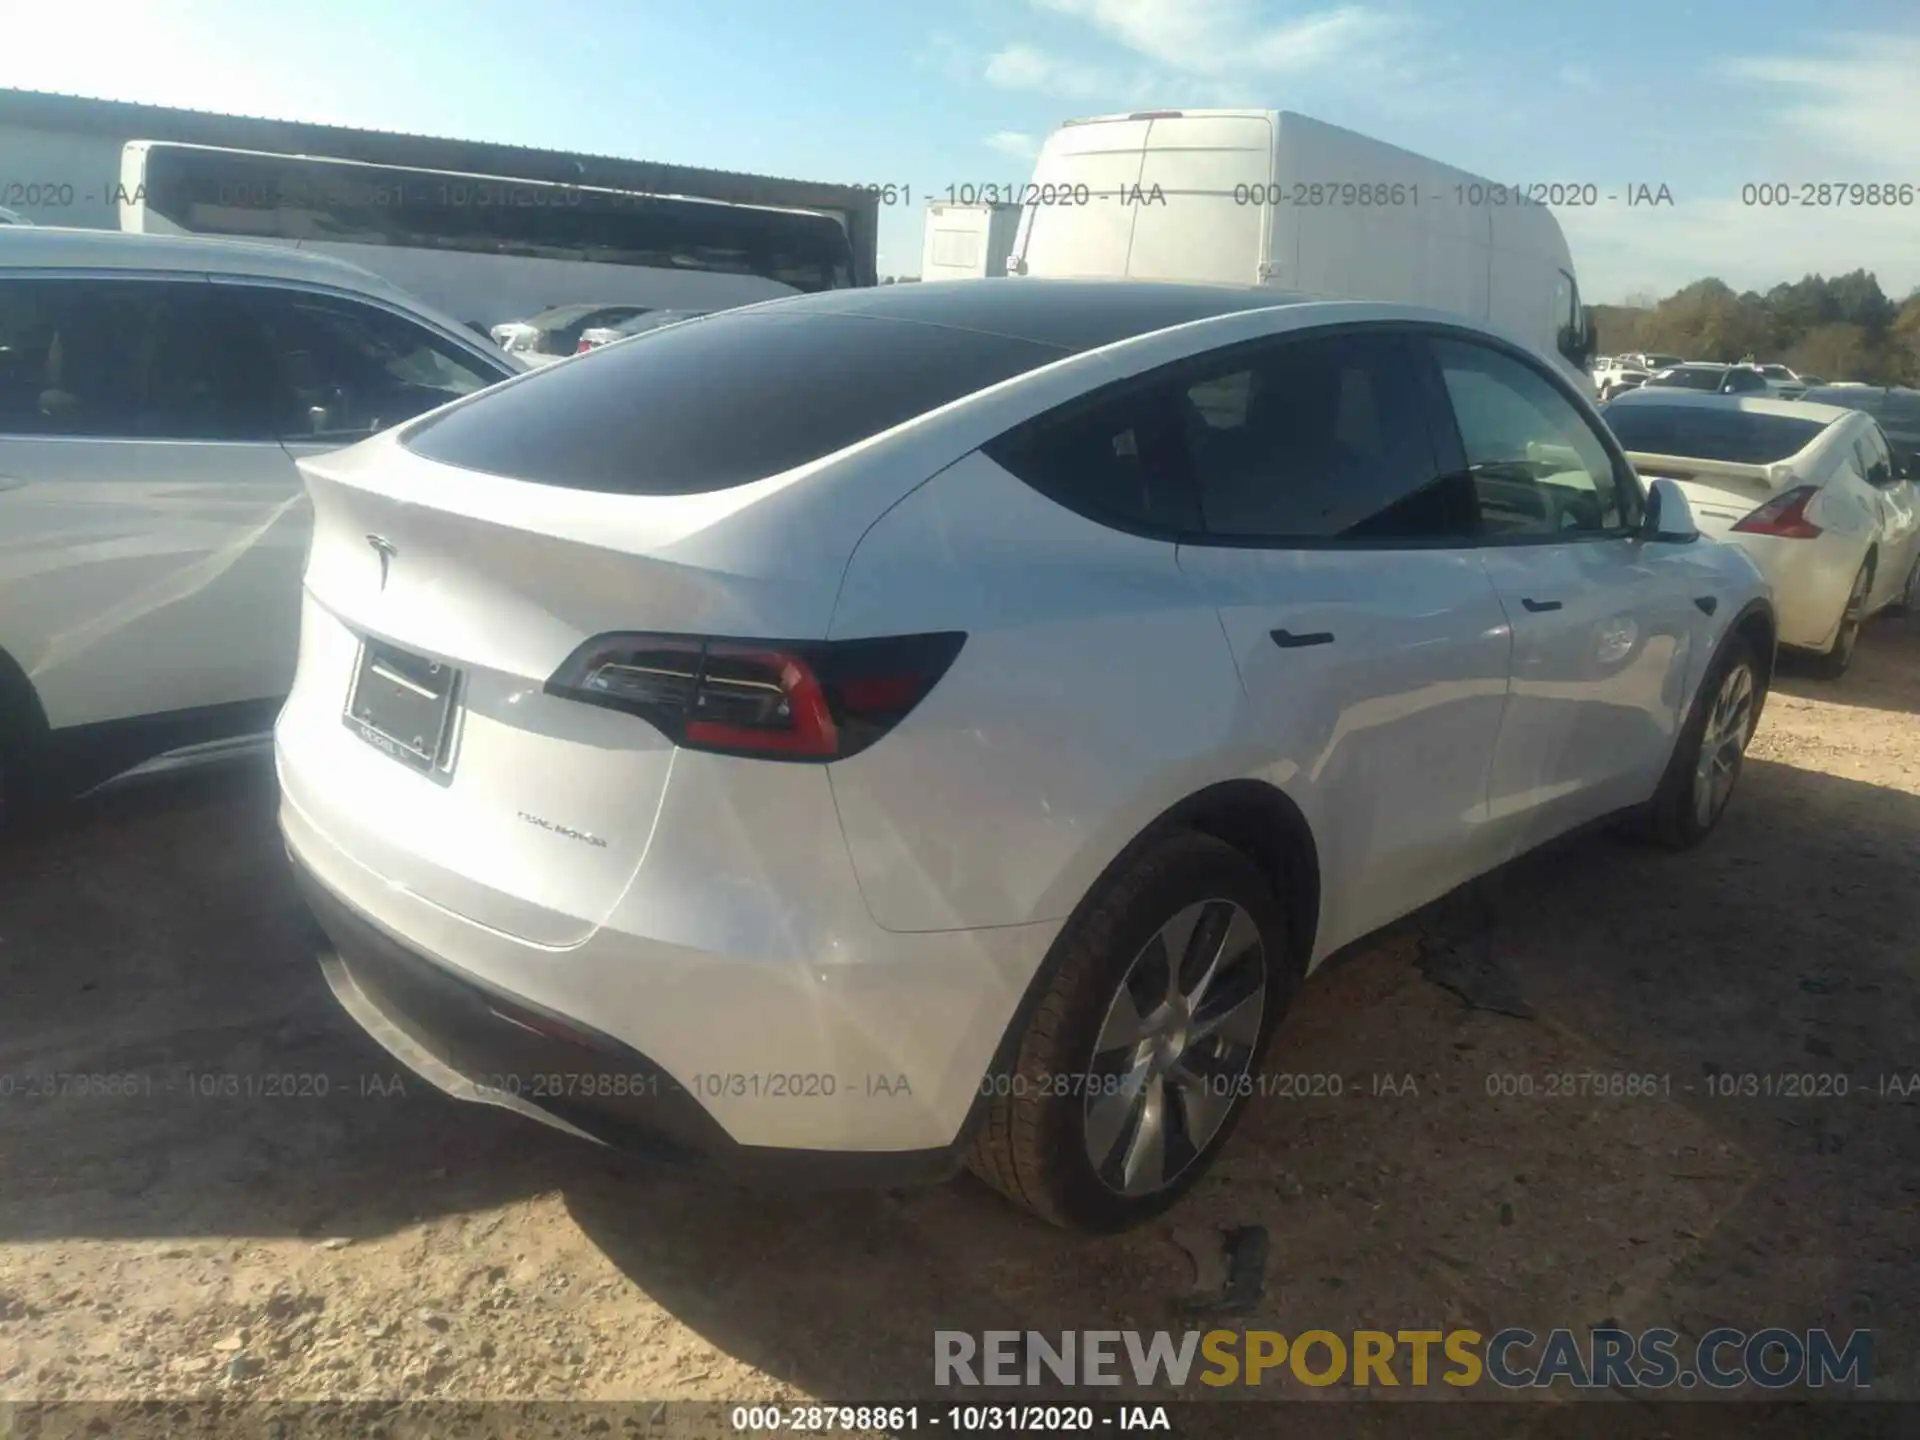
<point x="1604" y="625"/>
<point x="1371" y="644"/>
<point x="1091" y="171"/>
<point x="149" y="540"/>
<point x="1195" y="216"/>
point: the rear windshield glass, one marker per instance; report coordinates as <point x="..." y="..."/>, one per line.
<point x="1696" y="431"/>
<point x="1684" y="378"/>
<point x="719" y="401"/>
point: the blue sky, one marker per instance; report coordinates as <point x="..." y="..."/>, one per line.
<point x="1700" y="95"/>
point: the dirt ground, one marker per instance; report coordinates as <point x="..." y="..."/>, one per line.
<point x="174" y="1243"/>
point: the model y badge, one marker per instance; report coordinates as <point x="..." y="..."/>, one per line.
<point x="384" y="548"/>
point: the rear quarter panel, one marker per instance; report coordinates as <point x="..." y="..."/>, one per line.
<point x="1094" y="691"/>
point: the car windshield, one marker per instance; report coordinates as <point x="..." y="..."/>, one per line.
<point x="1702" y="432"/>
<point x="1776" y="372"/>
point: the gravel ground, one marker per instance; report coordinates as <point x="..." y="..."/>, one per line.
<point x="382" y="1241"/>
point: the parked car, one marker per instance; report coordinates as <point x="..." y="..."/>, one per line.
<point x="1896" y="407"/>
<point x="1618" y="377"/>
<point x="1651" y="360"/>
<point x="1715" y="379"/>
<point x="554" y="334"/>
<point x="650" y="320"/>
<point x="863" y="732"/>
<point x="1782" y="382"/>
<point x="154" y="395"/>
<point x="1811" y="492"/>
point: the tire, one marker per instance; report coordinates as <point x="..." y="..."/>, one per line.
<point x="1838" y="658"/>
<point x="1679" y="817"/>
<point x="1062" y="1103"/>
<point x="1908" y="600"/>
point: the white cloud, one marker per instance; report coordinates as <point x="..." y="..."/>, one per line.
<point x="1224" y="38"/>
<point x="1025" y="67"/>
<point x="1858" y="105"/>
<point x="1014" y="143"/>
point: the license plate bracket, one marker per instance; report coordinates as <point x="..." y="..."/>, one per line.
<point x="403" y="704"/>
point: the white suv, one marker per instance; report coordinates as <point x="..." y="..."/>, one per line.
<point x="155" y="393"/>
<point x="875" y="729"/>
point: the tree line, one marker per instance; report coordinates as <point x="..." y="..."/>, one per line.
<point x="1839" y="328"/>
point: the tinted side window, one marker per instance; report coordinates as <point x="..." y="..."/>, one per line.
<point x="129" y="359"/>
<point x="1538" y="468"/>
<point x="347" y="369"/>
<point x="1321" y="438"/>
<point x="1740" y="382"/>
<point x="1876" y="461"/>
<point x="1118" y="457"/>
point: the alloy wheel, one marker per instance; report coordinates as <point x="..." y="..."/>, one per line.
<point x="1722" y="744"/>
<point x="1175" y="1047"/>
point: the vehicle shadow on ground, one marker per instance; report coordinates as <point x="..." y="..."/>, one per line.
<point x="172" y="1064"/>
<point x="1754" y="955"/>
<point x="1885" y="674"/>
<point x="170" y="944"/>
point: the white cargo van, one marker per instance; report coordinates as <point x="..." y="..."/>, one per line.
<point x="1268" y="197"/>
<point x="968" y="242"/>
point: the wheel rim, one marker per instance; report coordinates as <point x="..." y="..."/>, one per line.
<point x="1177" y="1039"/>
<point x="1722" y="744"/>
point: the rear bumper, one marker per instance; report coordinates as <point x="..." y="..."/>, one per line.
<point x="480" y="1043"/>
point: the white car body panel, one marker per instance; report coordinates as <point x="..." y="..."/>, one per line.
<point x="143" y="576"/>
<point x="885" y="913"/>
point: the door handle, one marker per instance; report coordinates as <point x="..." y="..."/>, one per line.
<point x="1287" y="640"/>
<point x="1536" y="606"/>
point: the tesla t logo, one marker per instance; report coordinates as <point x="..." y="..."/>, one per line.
<point x="384" y="548"/>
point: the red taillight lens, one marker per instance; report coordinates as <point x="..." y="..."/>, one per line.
<point x="583" y="347"/>
<point x="780" y="700"/>
<point x="1785" y="516"/>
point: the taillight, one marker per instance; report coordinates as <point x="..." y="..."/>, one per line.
<point x="1784" y="516"/>
<point x="583" y="347"/>
<point x="775" y="699"/>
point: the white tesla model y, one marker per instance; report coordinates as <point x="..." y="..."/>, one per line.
<point x="867" y="733"/>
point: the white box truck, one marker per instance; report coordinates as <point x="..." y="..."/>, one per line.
<point x="968" y="242"/>
<point x="1269" y="197"/>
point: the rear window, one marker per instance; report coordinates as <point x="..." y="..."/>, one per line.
<point x="1689" y="379"/>
<point x="720" y="401"/>
<point x="1736" y="436"/>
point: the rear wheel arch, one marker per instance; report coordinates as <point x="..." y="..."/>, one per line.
<point x="1254" y="817"/>
<point x="23" y="725"/>
<point x="1760" y="627"/>
<point x="1263" y="823"/>
<point x="22" y="717"/>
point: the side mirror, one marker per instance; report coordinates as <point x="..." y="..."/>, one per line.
<point x="1669" y="515"/>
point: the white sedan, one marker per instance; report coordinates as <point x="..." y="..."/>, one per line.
<point x="1812" y="492"/>
<point x="885" y="730"/>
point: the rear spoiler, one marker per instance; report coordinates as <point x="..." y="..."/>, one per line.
<point x="1761" y="479"/>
